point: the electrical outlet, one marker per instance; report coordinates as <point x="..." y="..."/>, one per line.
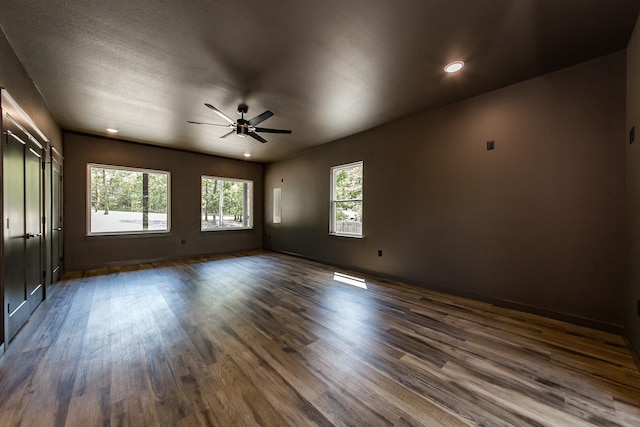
<point x="379" y="252"/>
<point x="490" y="145"/>
<point x="183" y="241"/>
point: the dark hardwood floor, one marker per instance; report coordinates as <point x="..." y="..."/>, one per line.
<point x="265" y="339"/>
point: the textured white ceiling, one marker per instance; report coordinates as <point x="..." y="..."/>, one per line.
<point x="327" y="69"/>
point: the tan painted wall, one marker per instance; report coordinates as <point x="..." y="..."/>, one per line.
<point x="537" y="223"/>
<point x="82" y="252"/>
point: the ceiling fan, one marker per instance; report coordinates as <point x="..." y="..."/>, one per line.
<point x="243" y="127"/>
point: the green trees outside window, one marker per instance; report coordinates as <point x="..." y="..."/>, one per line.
<point x="127" y="200"/>
<point x="226" y="203"/>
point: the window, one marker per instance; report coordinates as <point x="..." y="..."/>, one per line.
<point x="277" y="205"/>
<point x="226" y="204"/>
<point x="346" y="199"/>
<point x="127" y="200"/>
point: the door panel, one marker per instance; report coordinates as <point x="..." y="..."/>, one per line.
<point x="56" y="221"/>
<point x="14" y="235"/>
<point x="23" y="146"/>
<point x="33" y="227"/>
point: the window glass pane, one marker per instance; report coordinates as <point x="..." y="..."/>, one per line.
<point x="349" y="183"/>
<point x="348" y="217"/>
<point x="277" y="205"/>
<point x="125" y="200"/>
<point x="226" y="203"/>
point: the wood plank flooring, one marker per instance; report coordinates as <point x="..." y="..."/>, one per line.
<point x="264" y="339"/>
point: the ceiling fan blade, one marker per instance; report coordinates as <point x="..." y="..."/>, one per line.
<point x="228" y="133"/>
<point x="208" y="124"/>
<point x="221" y="114"/>
<point x="261" y="118"/>
<point x="267" y="130"/>
<point x="256" y="136"/>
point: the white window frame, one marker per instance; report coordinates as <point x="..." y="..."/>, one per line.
<point x="125" y="232"/>
<point x="333" y="229"/>
<point x="247" y="208"/>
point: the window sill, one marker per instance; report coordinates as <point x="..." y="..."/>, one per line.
<point x="226" y="229"/>
<point x="351" y="236"/>
<point x="151" y="233"/>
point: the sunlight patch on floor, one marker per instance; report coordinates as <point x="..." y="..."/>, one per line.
<point x="350" y="280"/>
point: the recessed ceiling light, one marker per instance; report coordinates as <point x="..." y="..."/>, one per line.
<point x="454" y="66"/>
<point x="112" y="130"/>
<point x="247" y="155"/>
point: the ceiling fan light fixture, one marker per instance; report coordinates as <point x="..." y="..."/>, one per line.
<point x="242" y="131"/>
<point x="454" y="66"/>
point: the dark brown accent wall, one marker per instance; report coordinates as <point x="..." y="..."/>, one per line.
<point x="632" y="300"/>
<point x="83" y="252"/>
<point x="537" y="223"/>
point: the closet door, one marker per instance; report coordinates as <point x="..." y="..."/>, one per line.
<point x="22" y="188"/>
<point x="33" y="225"/>
<point x="16" y="304"/>
<point x="23" y="267"/>
<point x="56" y="220"/>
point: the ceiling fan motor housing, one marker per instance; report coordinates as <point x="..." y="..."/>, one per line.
<point x="242" y="127"/>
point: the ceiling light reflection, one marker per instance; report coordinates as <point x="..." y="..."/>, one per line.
<point x="454" y="66"/>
